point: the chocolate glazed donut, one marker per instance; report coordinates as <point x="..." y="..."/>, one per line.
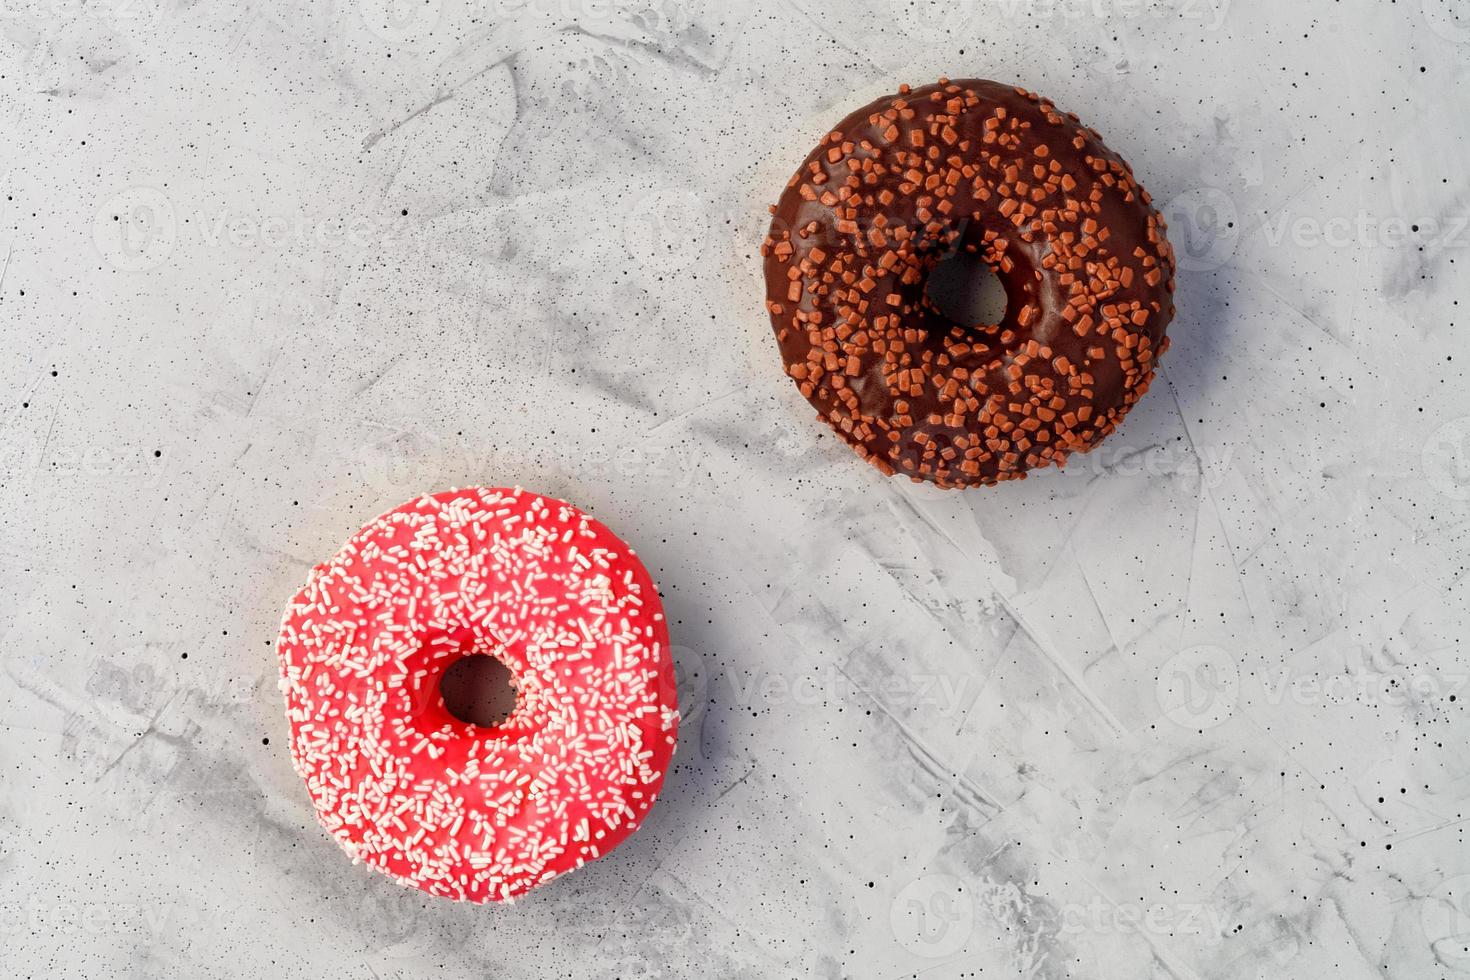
<point x="1000" y="173"/>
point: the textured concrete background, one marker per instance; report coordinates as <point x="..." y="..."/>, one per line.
<point x="1193" y="708"/>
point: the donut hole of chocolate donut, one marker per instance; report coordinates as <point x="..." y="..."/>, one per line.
<point x="477" y="689"/>
<point x="966" y="291"/>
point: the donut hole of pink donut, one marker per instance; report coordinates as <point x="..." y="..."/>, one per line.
<point x="479" y="689"/>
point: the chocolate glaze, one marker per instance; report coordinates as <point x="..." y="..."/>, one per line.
<point x="997" y="171"/>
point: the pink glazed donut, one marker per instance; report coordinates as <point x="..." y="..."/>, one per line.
<point x="458" y="810"/>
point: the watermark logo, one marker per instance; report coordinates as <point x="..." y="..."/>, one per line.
<point x="933" y="916"/>
<point x="692" y="679"/>
<point x="1210" y="14"/>
<point x="283" y="231"/>
<point x="400" y="21"/>
<point x="138" y="229"/>
<point x="673" y="466"/>
<point x="1199" y="687"/>
<point x="401" y="463"/>
<point x="1392" y="688"/>
<point x="664" y="229"/>
<point x="1450" y="19"/>
<point x="588" y="83"/>
<point x="135" y="230"/>
<point x="1445" y="917"/>
<point x="933" y="694"/>
<point x="104" y="464"/>
<point x="1204" y="228"/>
<point x="1156" y="462"/>
<point x="396" y="913"/>
<point x="109" y="919"/>
<point x="789" y="442"/>
<point x="1099" y="917"/>
<point x="118" y="12"/>
<point x="1445" y="459"/>
<point x="930" y="20"/>
<point x="1366" y="230"/>
<point x="665" y="16"/>
<point x="939" y="20"/>
<point x="27" y="454"/>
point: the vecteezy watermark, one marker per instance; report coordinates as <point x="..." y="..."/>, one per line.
<point x="936" y="20"/>
<point x="691" y="677"/>
<point x="400" y="21"/>
<point x="120" y="12"/>
<point x="141" y="467"/>
<point x="1445" y="917"/>
<point x="930" y="21"/>
<point x="1365" y="230"/>
<point x="1099" y="917"/>
<point x="1205" y="229"/>
<point x="139" y="229"/>
<point x="1445" y="459"/>
<point x="1157" y="462"/>
<point x="937" y="695"/>
<point x="1450" y="19"/>
<point x="1199" y="687"/>
<point x="135" y="230"/>
<point x="277" y="231"/>
<point x="1395" y="689"/>
<point x="403" y="461"/>
<point x="99" y="919"/>
<point x="134" y="466"/>
<point x="1210" y="13"/>
<point x="933" y="916"/>
<point x="664" y="15"/>
<point x="122" y="729"/>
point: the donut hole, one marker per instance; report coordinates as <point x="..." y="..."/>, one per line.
<point x="966" y="291"/>
<point x="478" y="690"/>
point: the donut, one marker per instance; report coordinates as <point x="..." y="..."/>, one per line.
<point x="457" y="810"/>
<point x="995" y="172"/>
